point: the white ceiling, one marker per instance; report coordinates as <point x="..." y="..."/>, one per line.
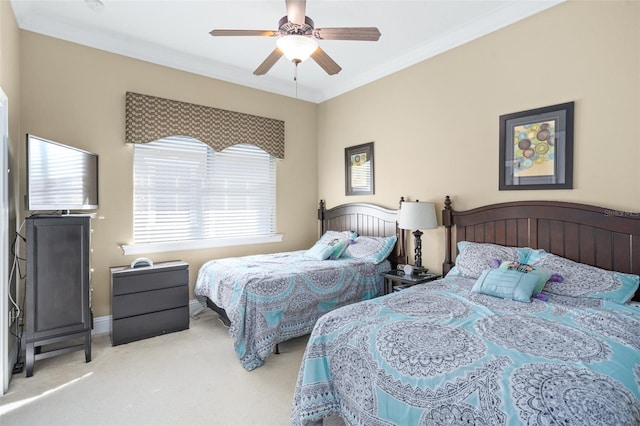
<point x="175" y="33"/>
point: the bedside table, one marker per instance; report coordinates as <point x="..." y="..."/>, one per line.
<point x="149" y="301"/>
<point x="398" y="279"/>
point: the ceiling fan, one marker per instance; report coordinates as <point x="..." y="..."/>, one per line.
<point x="297" y="39"/>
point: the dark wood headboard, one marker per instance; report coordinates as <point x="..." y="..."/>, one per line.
<point x="365" y="219"/>
<point x="606" y="238"/>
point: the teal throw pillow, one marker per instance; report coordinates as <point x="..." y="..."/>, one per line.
<point x="320" y="251"/>
<point x="339" y="248"/>
<point x="506" y="284"/>
<point x="542" y="274"/>
<point x="327" y="249"/>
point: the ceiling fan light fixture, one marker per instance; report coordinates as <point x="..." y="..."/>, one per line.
<point x="297" y="48"/>
<point x="95" y="5"/>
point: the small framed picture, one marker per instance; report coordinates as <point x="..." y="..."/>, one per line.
<point x="358" y="161"/>
<point x="536" y="148"/>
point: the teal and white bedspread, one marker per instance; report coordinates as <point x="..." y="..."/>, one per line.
<point x="439" y="354"/>
<point x="271" y="298"/>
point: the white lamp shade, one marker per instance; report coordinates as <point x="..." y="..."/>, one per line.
<point x="297" y="47"/>
<point x="417" y="215"/>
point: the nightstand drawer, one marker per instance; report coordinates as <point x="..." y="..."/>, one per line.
<point x="127" y="305"/>
<point x="157" y="278"/>
<point x="129" y="329"/>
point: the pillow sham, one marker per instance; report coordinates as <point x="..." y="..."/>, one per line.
<point x="580" y="280"/>
<point x="506" y="284"/>
<point x="543" y="274"/>
<point x="373" y="249"/>
<point x="474" y="258"/>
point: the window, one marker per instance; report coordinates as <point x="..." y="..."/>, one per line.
<point x="186" y="195"/>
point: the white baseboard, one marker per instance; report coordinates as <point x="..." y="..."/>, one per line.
<point x="102" y="325"/>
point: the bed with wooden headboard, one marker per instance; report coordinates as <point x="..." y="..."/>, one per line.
<point x="597" y="236"/>
<point x="533" y="325"/>
<point x="267" y="299"/>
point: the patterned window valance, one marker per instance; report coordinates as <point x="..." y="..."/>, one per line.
<point x="148" y="118"/>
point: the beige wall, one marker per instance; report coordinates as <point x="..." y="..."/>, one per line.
<point x="75" y="95"/>
<point x="435" y="125"/>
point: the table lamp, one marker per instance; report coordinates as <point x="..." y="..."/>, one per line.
<point x="417" y="215"/>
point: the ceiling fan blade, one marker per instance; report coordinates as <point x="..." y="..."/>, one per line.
<point x="296" y="11"/>
<point x="325" y="62"/>
<point x="264" y="33"/>
<point x="271" y="60"/>
<point x="349" y="33"/>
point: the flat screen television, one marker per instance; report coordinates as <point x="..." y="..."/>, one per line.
<point x="60" y="177"/>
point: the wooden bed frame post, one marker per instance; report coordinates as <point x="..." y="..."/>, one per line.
<point x="447" y="221"/>
<point x="321" y="210"/>
<point x="401" y="241"/>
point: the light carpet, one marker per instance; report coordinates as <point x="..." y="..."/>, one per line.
<point x="192" y="377"/>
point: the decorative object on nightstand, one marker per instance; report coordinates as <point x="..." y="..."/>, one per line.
<point x="417" y="215"/>
<point x="408" y="270"/>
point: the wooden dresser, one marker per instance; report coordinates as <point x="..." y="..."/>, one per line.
<point x="57" y="290"/>
<point x="149" y="301"/>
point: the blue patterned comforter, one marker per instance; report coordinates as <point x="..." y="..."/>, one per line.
<point x="271" y="298"/>
<point x="438" y="354"/>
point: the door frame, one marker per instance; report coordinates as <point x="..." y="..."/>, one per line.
<point x="5" y="371"/>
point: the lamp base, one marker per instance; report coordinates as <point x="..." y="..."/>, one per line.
<point x="419" y="270"/>
<point x="418" y="252"/>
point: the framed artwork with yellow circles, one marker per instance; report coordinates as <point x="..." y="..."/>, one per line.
<point x="536" y="148"/>
<point x="358" y="164"/>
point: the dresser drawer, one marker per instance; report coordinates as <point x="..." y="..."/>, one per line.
<point x="153" y="279"/>
<point x="144" y="302"/>
<point x="138" y="327"/>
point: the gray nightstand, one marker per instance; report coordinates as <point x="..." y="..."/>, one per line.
<point x="396" y="280"/>
<point x="149" y="301"/>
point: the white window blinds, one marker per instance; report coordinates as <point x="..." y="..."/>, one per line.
<point x="184" y="190"/>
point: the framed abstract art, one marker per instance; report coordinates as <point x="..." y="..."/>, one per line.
<point x="536" y="148"/>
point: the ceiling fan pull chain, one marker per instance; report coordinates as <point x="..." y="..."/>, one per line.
<point x="295" y="74"/>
